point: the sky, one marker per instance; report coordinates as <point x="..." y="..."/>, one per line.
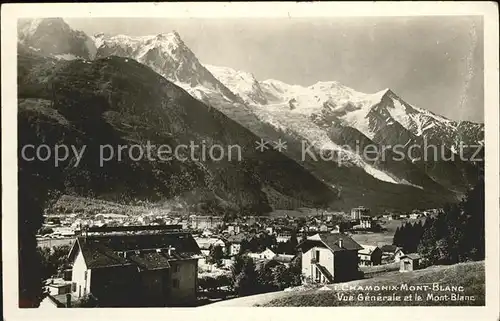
<point x="433" y="62"/>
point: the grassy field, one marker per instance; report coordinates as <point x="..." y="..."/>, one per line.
<point x="470" y="276"/>
<point x="377" y="239"/>
<point x="381" y="238"/>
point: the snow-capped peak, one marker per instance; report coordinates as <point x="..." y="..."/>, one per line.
<point x="167" y="42"/>
<point x="242" y="83"/>
<point x="325" y="85"/>
<point x="331" y="101"/>
<point x="170" y="37"/>
<point x="168" y="55"/>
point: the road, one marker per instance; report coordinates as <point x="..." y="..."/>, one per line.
<point x="248" y="301"/>
<point x="49" y="242"/>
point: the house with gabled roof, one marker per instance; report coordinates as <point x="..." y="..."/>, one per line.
<point x="150" y="269"/>
<point x="410" y="262"/>
<point x="391" y="252"/>
<point x="233" y="243"/>
<point x="370" y="255"/>
<point x="329" y="258"/>
<point x="267" y="254"/>
<point x="284" y="259"/>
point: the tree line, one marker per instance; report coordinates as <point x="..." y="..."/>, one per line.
<point x="408" y="236"/>
<point x="249" y="278"/>
<point x="455" y="235"/>
<point x="53" y="260"/>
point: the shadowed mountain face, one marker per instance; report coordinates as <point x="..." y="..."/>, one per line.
<point x="52" y="36"/>
<point x="117" y="101"/>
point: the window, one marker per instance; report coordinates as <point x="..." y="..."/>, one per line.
<point x="175" y="283"/>
<point x="176" y="268"/>
<point x="73" y="287"/>
<point x="85" y="275"/>
<point x="317" y="255"/>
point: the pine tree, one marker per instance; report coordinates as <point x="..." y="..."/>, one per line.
<point x="404" y="232"/>
<point x="396" y="240"/>
<point x="215" y="255"/>
<point x="474" y="212"/>
<point x="457" y="234"/>
<point x="245" y="281"/>
<point x="454" y="233"/>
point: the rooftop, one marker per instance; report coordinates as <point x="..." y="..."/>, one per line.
<point x="413" y="256"/>
<point x="367" y="249"/>
<point x="143" y="251"/>
<point x="331" y="241"/>
<point x="389" y="248"/>
<point x="238" y="238"/>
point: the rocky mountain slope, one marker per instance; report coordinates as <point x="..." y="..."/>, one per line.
<point x="331" y="114"/>
<point x="337" y="122"/>
<point x="242" y="83"/>
<point x="53" y="36"/>
<point x="368" y="113"/>
<point x="169" y="56"/>
<point x="118" y="101"/>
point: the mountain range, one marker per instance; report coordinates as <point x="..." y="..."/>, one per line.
<point x="155" y="88"/>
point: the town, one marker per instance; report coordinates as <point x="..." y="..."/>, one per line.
<point x="191" y="260"/>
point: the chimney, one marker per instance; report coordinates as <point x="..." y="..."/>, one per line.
<point x="341" y="243"/>
<point x="68" y="300"/>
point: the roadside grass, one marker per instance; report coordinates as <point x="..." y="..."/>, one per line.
<point x="469" y="275"/>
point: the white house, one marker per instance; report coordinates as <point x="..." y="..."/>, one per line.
<point x="233" y="229"/>
<point x="329" y="257"/>
<point x="233" y="243"/>
<point x="234" y="248"/>
<point x="283" y="237"/>
<point x="392" y="253"/>
<point x="370" y="255"/>
<point x="336" y="229"/>
<point x="205" y="243"/>
<point x="284" y="259"/>
<point x="267" y="254"/>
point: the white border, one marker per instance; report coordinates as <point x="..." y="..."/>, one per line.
<point x="10" y="14"/>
